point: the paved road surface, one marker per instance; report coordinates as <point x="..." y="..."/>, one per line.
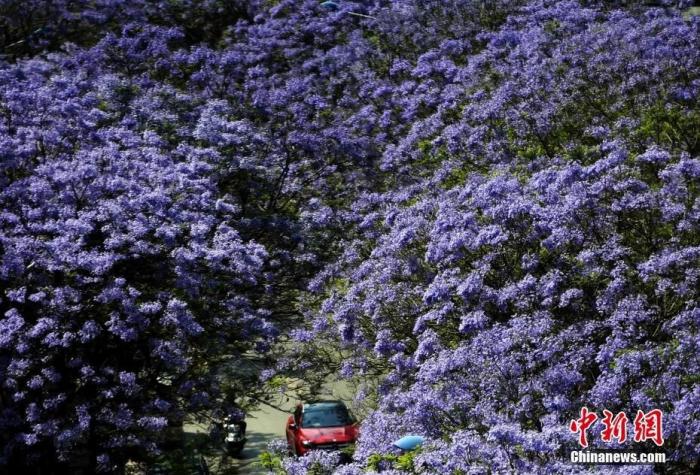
<point x="264" y="425"/>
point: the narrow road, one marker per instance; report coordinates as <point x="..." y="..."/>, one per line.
<point x="264" y="425"/>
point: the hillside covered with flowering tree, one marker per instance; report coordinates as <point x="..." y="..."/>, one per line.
<point x="488" y="211"/>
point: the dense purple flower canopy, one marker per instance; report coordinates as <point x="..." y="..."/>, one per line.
<point x="537" y="249"/>
<point x="120" y="252"/>
<point x="491" y="208"/>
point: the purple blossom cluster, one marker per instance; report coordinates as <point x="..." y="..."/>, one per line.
<point x="317" y="462"/>
<point x="128" y="261"/>
<point x="492" y="207"/>
<point x="536" y="248"/>
<point x="119" y="252"/>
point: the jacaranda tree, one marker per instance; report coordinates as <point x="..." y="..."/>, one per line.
<point x="485" y="213"/>
<point x="536" y="250"/>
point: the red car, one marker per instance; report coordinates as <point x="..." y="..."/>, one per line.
<point x="324" y="425"/>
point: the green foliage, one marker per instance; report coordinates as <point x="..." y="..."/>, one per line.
<point x="271" y="462"/>
<point x="670" y="125"/>
<point x="404" y="461"/>
<point x="348" y="451"/>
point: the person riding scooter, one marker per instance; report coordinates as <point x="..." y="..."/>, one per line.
<point x="234" y="430"/>
<point x="229" y="431"/>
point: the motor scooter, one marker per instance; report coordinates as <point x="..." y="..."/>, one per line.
<point x="229" y="434"/>
<point x="234" y="437"/>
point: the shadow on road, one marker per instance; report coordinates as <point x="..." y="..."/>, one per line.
<point x="264" y="425"/>
<point x="257" y="443"/>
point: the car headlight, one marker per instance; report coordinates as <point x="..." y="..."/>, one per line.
<point x="307" y="443"/>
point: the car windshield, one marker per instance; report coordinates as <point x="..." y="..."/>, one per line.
<point x="326" y="415"/>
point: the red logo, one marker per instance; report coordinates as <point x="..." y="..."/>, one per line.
<point x="647" y="426"/>
<point x="582" y="424"/>
<point x="615" y="427"/>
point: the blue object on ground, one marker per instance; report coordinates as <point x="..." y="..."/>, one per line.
<point x="409" y="442"/>
<point x="329" y="5"/>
